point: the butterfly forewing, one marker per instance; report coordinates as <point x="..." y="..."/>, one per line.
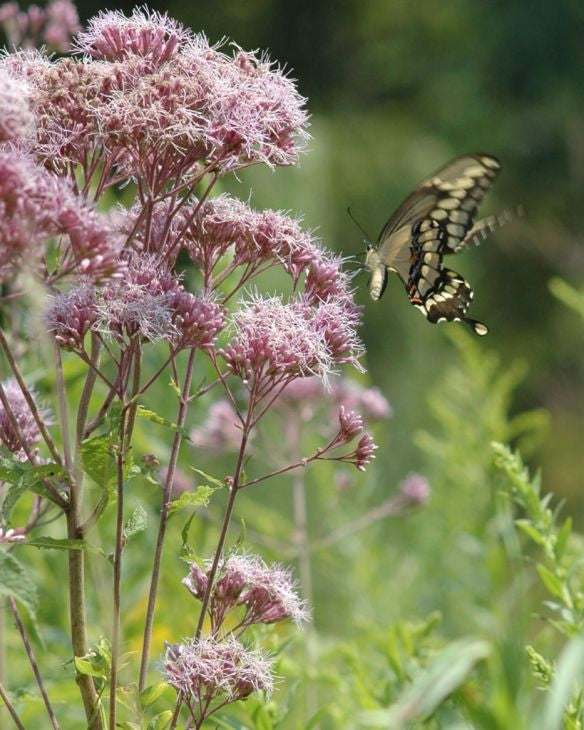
<point x="433" y="221"/>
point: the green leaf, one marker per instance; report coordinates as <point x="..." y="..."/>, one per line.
<point x="551" y="581"/>
<point x="161" y="721"/>
<point x="212" y="480"/>
<point x="562" y="539"/>
<point x="28" y="477"/>
<point x="261" y="719"/>
<point x="186" y="551"/>
<point x="147" y="415"/>
<point x="100" y="461"/>
<point x="199" y="498"/>
<point x="150" y="694"/>
<point x="531" y="531"/>
<point x="447" y="671"/>
<point x="137" y="522"/>
<point x="16" y="582"/>
<point x="44" y="542"/>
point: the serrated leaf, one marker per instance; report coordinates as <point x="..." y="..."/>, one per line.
<point x="29" y="478"/>
<point x="212" y="480"/>
<point x="148" y="415"/>
<point x="551" y="581"/>
<point x="150" y="694"/>
<point x="161" y="721"/>
<point x="16" y="582"/>
<point x="199" y="498"/>
<point x="51" y="543"/>
<point x="137" y="522"/>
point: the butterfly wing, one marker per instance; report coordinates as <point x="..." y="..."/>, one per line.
<point x="433" y="221"/>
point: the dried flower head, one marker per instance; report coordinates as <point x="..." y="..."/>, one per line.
<point x="210" y="669"/>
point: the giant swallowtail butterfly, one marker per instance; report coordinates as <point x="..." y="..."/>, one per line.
<point x="435" y="220"/>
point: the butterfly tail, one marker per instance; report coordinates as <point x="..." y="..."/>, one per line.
<point x="479" y="328"/>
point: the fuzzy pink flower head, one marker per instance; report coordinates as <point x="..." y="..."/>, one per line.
<point x="255" y="114"/>
<point x="111" y="36"/>
<point x="35" y="206"/>
<point x="220" y="223"/>
<point x="220" y="432"/>
<point x="270" y="594"/>
<point x="325" y="277"/>
<point x="52" y="26"/>
<point x="336" y="320"/>
<point x="208" y="669"/>
<point x="20" y="409"/>
<point x="273" y="338"/>
<point x="71" y="315"/>
<point x="197" y="319"/>
<point x="278" y="236"/>
<point x="16" y="118"/>
<point x="416" y="489"/>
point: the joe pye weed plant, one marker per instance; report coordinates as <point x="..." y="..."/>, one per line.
<point x="103" y="304"/>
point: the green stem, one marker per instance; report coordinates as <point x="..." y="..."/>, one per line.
<point x="166" y="495"/>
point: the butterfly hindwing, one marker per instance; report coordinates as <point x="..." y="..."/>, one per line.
<point x="436" y="219"/>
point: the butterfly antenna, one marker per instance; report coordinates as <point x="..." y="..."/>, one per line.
<point x="359" y="226"/>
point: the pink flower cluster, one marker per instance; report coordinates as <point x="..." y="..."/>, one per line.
<point x="149" y="302"/>
<point x="53" y="26"/>
<point x="266" y="593"/>
<point x="274" y="339"/>
<point x="36" y="206"/>
<point x="207" y="670"/>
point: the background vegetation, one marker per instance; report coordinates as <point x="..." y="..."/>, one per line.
<point x="397" y="88"/>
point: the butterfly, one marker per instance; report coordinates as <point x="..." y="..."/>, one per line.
<point x="435" y="220"/>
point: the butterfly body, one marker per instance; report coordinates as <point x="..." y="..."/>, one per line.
<point x="435" y="220"/>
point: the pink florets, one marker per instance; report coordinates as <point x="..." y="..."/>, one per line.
<point x="350" y="423"/>
<point x="364" y="452"/>
<point x="273" y="338"/>
<point x="16" y="118"/>
<point x="197" y="319"/>
<point x="71" y="315"/>
<point x="206" y="669"/>
<point x="111" y="36"/>
<point x="20" y="409"/>
<point x="268" y="593"/>
<point x="36" y="206"/>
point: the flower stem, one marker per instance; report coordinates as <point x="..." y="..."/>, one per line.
<point x="166" y="495"/>
<point x="33" y="662"/>
<point x="10" y="707"/>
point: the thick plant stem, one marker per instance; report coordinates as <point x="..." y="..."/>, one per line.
<point x="77" y="612"/>
<point x="117" y="573"/>
<point x="182" y="412"/>
<point x="33" y="662"/>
